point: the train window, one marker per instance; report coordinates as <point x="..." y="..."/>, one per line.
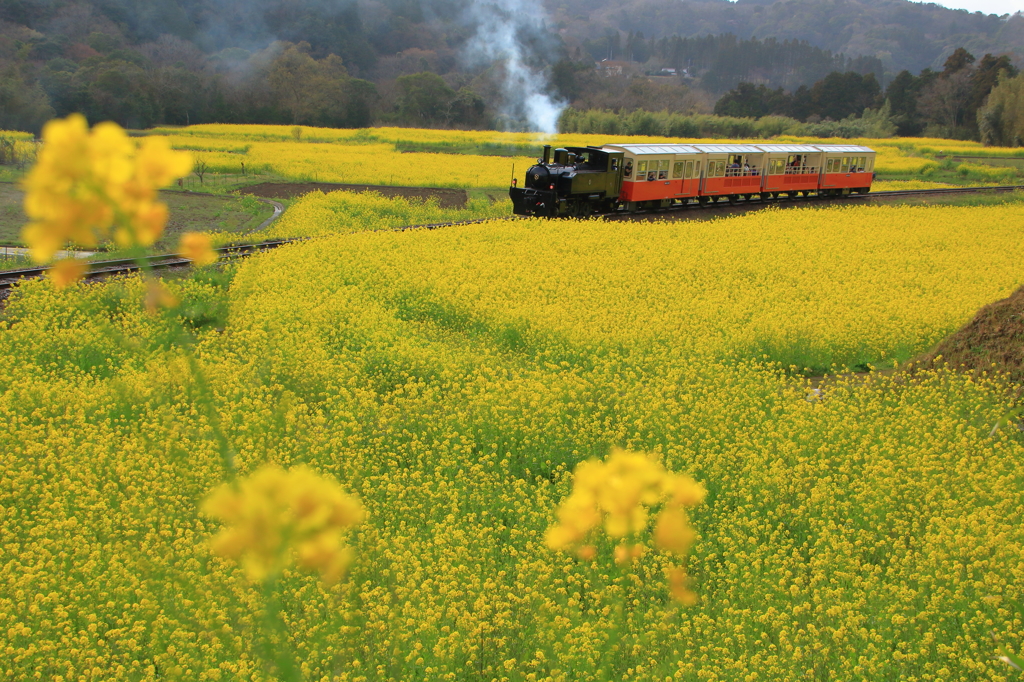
<point x="846" y="164"/>
<point x="828" y="166"/>
<point x="663" y="170"/>
<point x="641" y="166"/>
<point x="677" y="169"/>
<point x="689" y="169"/>
<point x="870" y="166"/>
<point x="615" y="165"/>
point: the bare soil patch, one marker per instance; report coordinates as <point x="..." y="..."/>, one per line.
<point x="446" y="197"/>
<point x="994" y="337"/>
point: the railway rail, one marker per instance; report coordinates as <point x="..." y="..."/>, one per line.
<point x="745" y="205"/>
<point x="102" y="269"/>
<point x="752" y="204"/>
<point x="108" y="268"/>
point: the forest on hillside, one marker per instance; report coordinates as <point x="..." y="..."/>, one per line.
<point x="434" y="63"/>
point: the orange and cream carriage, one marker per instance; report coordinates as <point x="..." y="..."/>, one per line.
<point x="846" y="169"/>
<point x="791" y="169"/>
<point x="657" y="175"/>
<point x="731" y="170"/>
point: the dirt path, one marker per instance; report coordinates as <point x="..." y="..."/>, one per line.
<point x="447" y="198"/>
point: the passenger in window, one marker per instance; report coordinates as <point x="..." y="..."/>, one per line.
<point x="628" y="170"/>
<point x="651" y="176"/>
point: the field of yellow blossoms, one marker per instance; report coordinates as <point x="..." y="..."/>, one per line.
<point x="379" y="155"/>
<point x="424" y="399"/>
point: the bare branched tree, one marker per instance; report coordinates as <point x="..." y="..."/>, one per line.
<point x="200" y="166"/>
<point x="946" y="100"/>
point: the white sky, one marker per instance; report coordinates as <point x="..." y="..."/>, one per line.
<point x="999" y="7"/>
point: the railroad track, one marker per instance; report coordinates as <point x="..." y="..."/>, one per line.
<point x="102" y="269"/>
<point x="741" y="206"/>
<point x="745" y="205"/>
<point x="108" y="268"/>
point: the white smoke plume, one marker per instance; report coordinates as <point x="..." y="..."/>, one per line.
<point x="498" y="40"/>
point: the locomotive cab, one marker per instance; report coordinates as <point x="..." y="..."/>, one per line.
<point x="574" y="181"/>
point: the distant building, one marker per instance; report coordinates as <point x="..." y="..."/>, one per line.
<point x="607" y="67"/>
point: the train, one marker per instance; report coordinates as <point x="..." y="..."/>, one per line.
<point x="583" y="181"/>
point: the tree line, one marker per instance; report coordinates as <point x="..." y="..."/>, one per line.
<point x="148" y="62"/>
<point x="934" y="103"/>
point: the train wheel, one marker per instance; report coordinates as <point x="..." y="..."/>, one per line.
<point x="775" y="195"/>
<point x="792" y="195"/>
<point x="863" y="190"/>
<point x="734" y="199"/>
<point x="702" y="201"/>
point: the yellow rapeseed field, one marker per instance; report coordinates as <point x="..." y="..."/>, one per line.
<point x="452" y="381"/>
<point x="373" y="156"/>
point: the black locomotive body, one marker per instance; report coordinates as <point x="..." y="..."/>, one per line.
<point x="578" y="181"/>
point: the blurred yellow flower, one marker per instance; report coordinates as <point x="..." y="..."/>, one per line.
<point x="620" y="490"/>
<point x="159" y="296"/>
<point x="274" y="513"/>
<point x="197" y="247"/>
<point x="91" y="185"/>
<point x="66" y="271"/>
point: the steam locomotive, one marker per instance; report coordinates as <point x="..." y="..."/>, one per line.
<point x="581" y="181"/>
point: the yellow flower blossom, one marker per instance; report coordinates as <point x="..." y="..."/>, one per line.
<point x="159" y="296"/>
<point x="92" y="185"/>
<point x="67" y="271"/>
<point x="275" y="513"/>
<point x="196" y="246"/>
<point x="620" y="490"/>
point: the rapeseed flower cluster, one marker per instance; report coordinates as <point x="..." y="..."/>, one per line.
<point x="92" y="185"/>
<point x="276" y="512"/>
<point x="618" y="494"/>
